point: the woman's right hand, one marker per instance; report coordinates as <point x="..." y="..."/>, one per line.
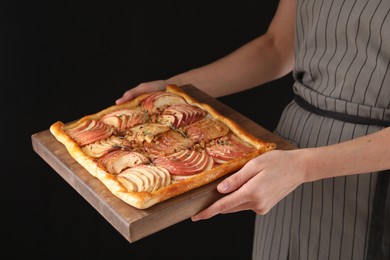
<point x="152" y="86"/>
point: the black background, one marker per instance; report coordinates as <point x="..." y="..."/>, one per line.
<point x="61" y="60"/>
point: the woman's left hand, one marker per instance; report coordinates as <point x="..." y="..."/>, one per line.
<point x="259" y="185"/>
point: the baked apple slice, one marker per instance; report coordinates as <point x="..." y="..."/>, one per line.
<point x="186" y="162"/>
<point x="144" y="178"/>
<point x="146" y="132"/>
<point x="228" y="148"/>
<point x="116" y="161"/>
<point x="181" y="115"/>
<point x="89" y="131"/>
<point x="101" y="147"/>
<point x="124" y="119"/>
<point x="206" y="129"/>
<point x="157" y="101"/>
<point x="168" y="143"/>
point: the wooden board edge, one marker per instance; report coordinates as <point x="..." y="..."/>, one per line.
<point x="120" y="224"/>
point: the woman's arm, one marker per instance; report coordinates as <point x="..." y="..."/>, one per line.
<point x="264" y="59"/>
<point x="267" y="179"/>
<point x="364" y="154"/>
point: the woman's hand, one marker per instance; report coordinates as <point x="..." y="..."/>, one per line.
<point x="259" y="185"/>
<point x="152" y="86"/>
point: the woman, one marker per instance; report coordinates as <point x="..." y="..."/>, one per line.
<point x="329" y="199"/>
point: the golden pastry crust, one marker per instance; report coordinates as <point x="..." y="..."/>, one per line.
<point x="143" y="199"/>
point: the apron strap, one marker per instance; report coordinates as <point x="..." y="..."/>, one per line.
<point x="340" y="116"/>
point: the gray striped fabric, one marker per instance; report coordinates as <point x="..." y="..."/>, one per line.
<point x="342" y="64"/>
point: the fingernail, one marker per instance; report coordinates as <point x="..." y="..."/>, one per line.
<point x="223" y="187"/>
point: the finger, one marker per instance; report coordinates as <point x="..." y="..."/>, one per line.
<point x="238" y="179"/>
<point x="221" y="206"/>
<point x="128" y="95"/>
<point x="249" y="206"/>
<point x="142" y="88"/>
<point x="239" y="208"/>
<point x="204" y="214"/>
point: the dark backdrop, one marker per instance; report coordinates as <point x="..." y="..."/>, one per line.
<point x="61" y="60"/>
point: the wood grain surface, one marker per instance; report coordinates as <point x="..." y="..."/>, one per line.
<point x="132" y="223"/>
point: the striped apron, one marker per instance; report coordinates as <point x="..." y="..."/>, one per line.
<point x="342" y="84"/>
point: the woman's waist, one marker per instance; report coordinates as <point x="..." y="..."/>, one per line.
<point x="341" y="109"/>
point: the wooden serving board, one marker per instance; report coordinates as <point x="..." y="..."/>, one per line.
<point x="133" y="223"/>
